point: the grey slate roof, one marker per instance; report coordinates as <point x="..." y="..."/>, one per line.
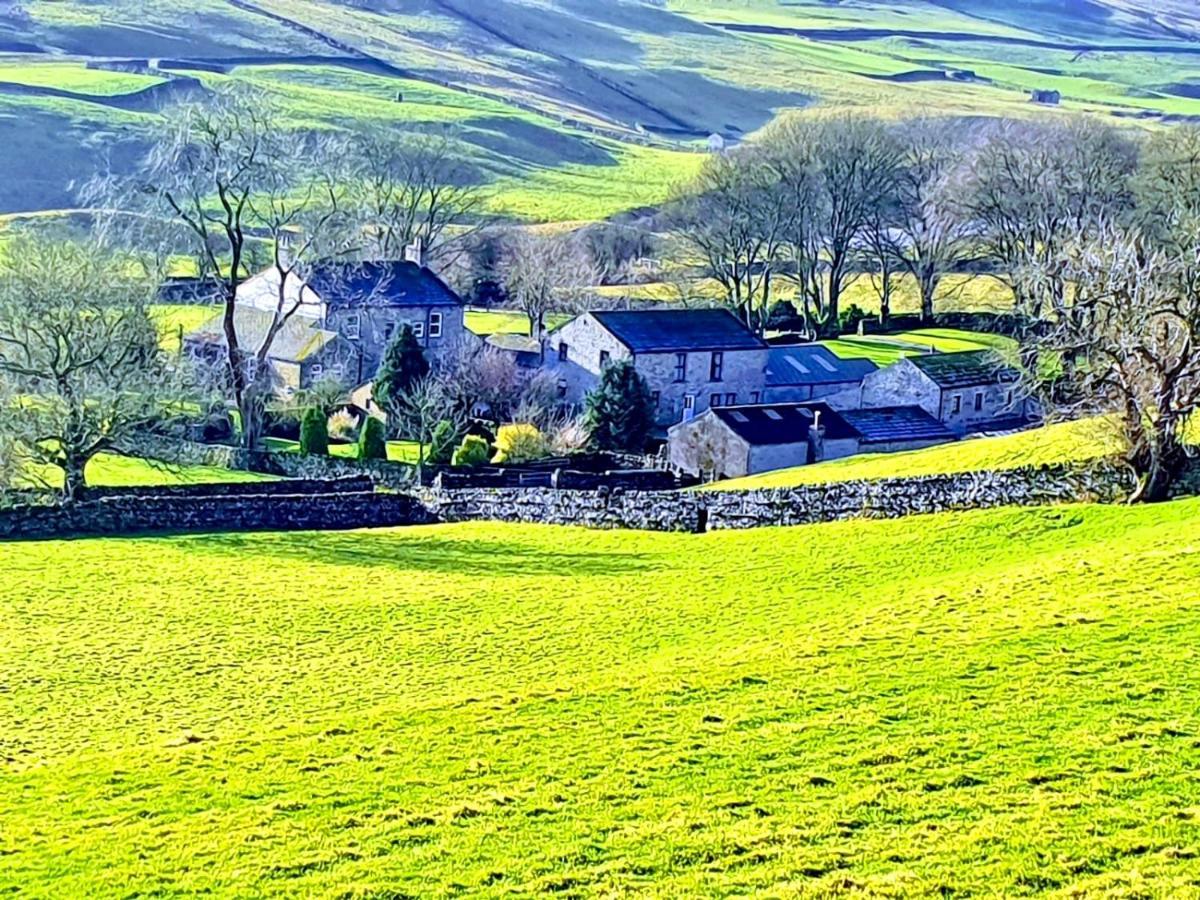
<point x="678" y="330"/>
<point x="805" y="364"/>
<point x="781" y="423"/>
<point x="299" y="338"/>
<point x="963" y="370"/>
<point x="895" y="423"/>
<point x="381" y="283"/>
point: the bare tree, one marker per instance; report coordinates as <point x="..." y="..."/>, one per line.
<point x="1127" y="344"/>
<point x="417" y="413"/>
<point x="81" y="370"/>
<point x="1167" y="187"/>
<point x="733" y="220"/>
<point x="838" y="173"/>
<point x="925" y="236"/>
<point x="544" y="273"/>
<point x="229" y="187"/>
<point x="414" y="188"/>
<point x="1030" y="187"/>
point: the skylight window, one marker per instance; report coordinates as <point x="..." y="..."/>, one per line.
<point x="798" y="366"/>
<point x="824" y="364"/>
<point x="772" y="414"/>
<point x="740" y="417"/>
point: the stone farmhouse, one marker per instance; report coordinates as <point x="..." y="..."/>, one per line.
<point x="731" y="442"/>
<point x="802" y="372"/>
<point x="967" y="392"/>
<point x="346" y="316"/>
<point x="692" y="359"/>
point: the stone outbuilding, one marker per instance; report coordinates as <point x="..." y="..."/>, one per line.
<point x="731" y="442"/>
<point x="692" y="359"/>
<point x="967" y="392"/>
<point x="804" y="372"/>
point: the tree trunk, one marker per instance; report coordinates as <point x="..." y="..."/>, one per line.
<point x="831" y="327"/>
<point x="929" y="283"/>
<point x="74" y="479"/>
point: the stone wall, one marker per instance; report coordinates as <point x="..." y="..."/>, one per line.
<point x="131" y="514"/>
<point x="695" y="511"/>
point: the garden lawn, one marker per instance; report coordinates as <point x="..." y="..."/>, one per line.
<point x="398" y="451"/>
<point x="1064" y="442"/>
<point x="997" y="703"/>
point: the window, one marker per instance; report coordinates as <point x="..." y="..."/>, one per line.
<point x="680" y="367"/>
<point x="756" y="397"/>
<point x="774" y="415"/>
<point x="388" y="330"/>
<point x="605" y="358"/>
<point x="1009" y="401"/>
<point x="979" y="401"/>
<point x="562" y="389"/>
<point x="716" y="369"/>
<point x="731" y="399"/>
<point x="418" y="330"/>
<point x="956" y="406"/>
<point x="655" y="398"/>
<point x="435" y="325"/>
<point x="714" y="401"/>
<point x="689" y="402"/>
<point x="353" y="326"/>
<point x="563" y="351"/>
<point x="316" y="370"/>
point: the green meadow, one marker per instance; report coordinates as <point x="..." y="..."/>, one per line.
<point x="993" y="703"/>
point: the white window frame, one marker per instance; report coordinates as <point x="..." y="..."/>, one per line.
<point x="418" y="330"/>
<point x="956" y="406"/>
<point x="435" y="325"/>
<point x="353" y="327"/>
<point x="316" y="370"/>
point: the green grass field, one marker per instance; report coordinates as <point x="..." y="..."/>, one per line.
<point x="398" y="451"/>
<point x="1064" y="442"/>
<point x="497" y="711"/>
<point x="112" y="470"/>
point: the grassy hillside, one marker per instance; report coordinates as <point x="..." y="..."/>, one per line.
<point x="502" y="711"/>
<point x="1064" y="442"/>
<point x="570" y="109"/>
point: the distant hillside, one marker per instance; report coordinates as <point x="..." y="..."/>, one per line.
<point x="571" y="108"/>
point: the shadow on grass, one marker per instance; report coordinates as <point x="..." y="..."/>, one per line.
<point x="500" y="556"/>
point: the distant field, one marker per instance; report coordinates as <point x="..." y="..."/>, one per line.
<point x="991" y="704"/>
<point x="1066" y="442"/>
<point x="507" y="321"/>
<point x="886" y="349"/>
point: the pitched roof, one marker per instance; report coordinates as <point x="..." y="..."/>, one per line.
<point x="895" y="423"/>
<point x="380" y="283"/>
<point x="298" y="339"/>
<point x="514" y="343"/>
<point x="781" y="423"/>
<point x="813" y="364"/>
<point x="961" y="370"/>
<point x="678" y="330"/>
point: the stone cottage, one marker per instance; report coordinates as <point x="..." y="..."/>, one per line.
<point x="731" y="442"/>
<point x="802" y="372"/>
<point x="967" y="392"/>
<point x="692" y="359"/>
<point x="345" y="316"/>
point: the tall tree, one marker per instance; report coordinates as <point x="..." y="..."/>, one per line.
<point x="851" y="164"/>
<point x="926" y="237"/>
<point x="238" y="192"/>
<point x="81" y="370"/>
<point x="413" y="188"/>
<point x="733" y="220"/>
<point x="1034" y="186"/>
<point x="1126" y="344"/>
<point x="545" y="272"/>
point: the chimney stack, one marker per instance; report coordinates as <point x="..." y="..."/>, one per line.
<point x="415" y="253"/>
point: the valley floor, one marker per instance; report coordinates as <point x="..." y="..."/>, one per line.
<point x="997" y="703"/>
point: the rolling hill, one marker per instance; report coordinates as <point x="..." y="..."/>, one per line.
<point x="572" y="109"/>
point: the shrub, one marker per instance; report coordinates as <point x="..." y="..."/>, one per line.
<point x="474" y="451"/>
<point x="343" y="426"/>
<point x="620" y="411"/>
<point x="569" y="436"/>
<point x="520" y="443"/>
<point x="403" y="365"/>
<point x="371" y="442"/>
<point x="441" y="443"/>
<point x="851" y="318"/>
<point x="314" y="432"/>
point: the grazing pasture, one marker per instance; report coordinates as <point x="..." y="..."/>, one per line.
<point x="989" y="703"/>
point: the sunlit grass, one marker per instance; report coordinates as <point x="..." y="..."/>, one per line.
<point x="991" y="704"/>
